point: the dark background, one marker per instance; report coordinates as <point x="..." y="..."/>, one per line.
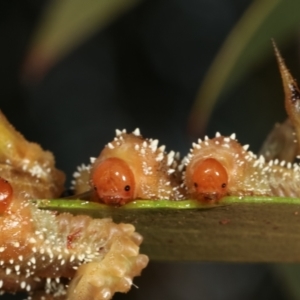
<point x="144" y="71"/>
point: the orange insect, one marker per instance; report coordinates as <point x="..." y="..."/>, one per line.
<point x="129" y="168"/>
<point x="210" y="179"/>
<point x="50" y="255"/>
<point x="113" y="181"/>
<point x="221" y="166"/>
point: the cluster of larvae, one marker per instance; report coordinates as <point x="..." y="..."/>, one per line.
<point x="51" y="255"/>
<point x="131" y="167"/>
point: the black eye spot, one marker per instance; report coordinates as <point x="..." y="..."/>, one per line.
<point x="95" y="188"/>
<point x="127" y="188"/>
<point x="223" y="185"/>
<point x="195" y="184"/>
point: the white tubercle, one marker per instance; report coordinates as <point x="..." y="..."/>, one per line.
<point x="136" y="132"/>
<point x="92" y="159"/>
<point x="110" y="146"/>
<point x="118" y="132"/>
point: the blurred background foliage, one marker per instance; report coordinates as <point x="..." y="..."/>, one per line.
<point x="72" y="71"/>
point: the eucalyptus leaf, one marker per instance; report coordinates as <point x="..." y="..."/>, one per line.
<point x="248" y="44"/>
<point x="239" y="229"/>
<point x="67" y="23"/>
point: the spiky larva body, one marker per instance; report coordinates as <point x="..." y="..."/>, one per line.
<point x="41" y="250"/>
<point x="81" y="182"/>
<point x="245" y="173"/>
<point x="280" y="143"/>
<point x="27" y="163"/>
<point x="131" y="167"/>
<point x="38" y="248"/>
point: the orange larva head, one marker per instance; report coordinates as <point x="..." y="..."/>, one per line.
<point x="113" y="181"/>
<point x="6" y="194"/>
<point x="210" y="180"/>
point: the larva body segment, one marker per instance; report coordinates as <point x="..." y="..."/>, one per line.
<point x="280" y="143"/>
<point x="245" y="174"/>
<point x="81" y="181"/>
<point x="27" y="162"/>
<point x="131" y="167"/>
<point x="41" y="250"/>
<point x="6" y="195"/>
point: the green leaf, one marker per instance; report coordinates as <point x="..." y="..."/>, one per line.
<point x="67" y="23"/>
<point x="248" y="44"/>
<point x="239" y="229"/>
